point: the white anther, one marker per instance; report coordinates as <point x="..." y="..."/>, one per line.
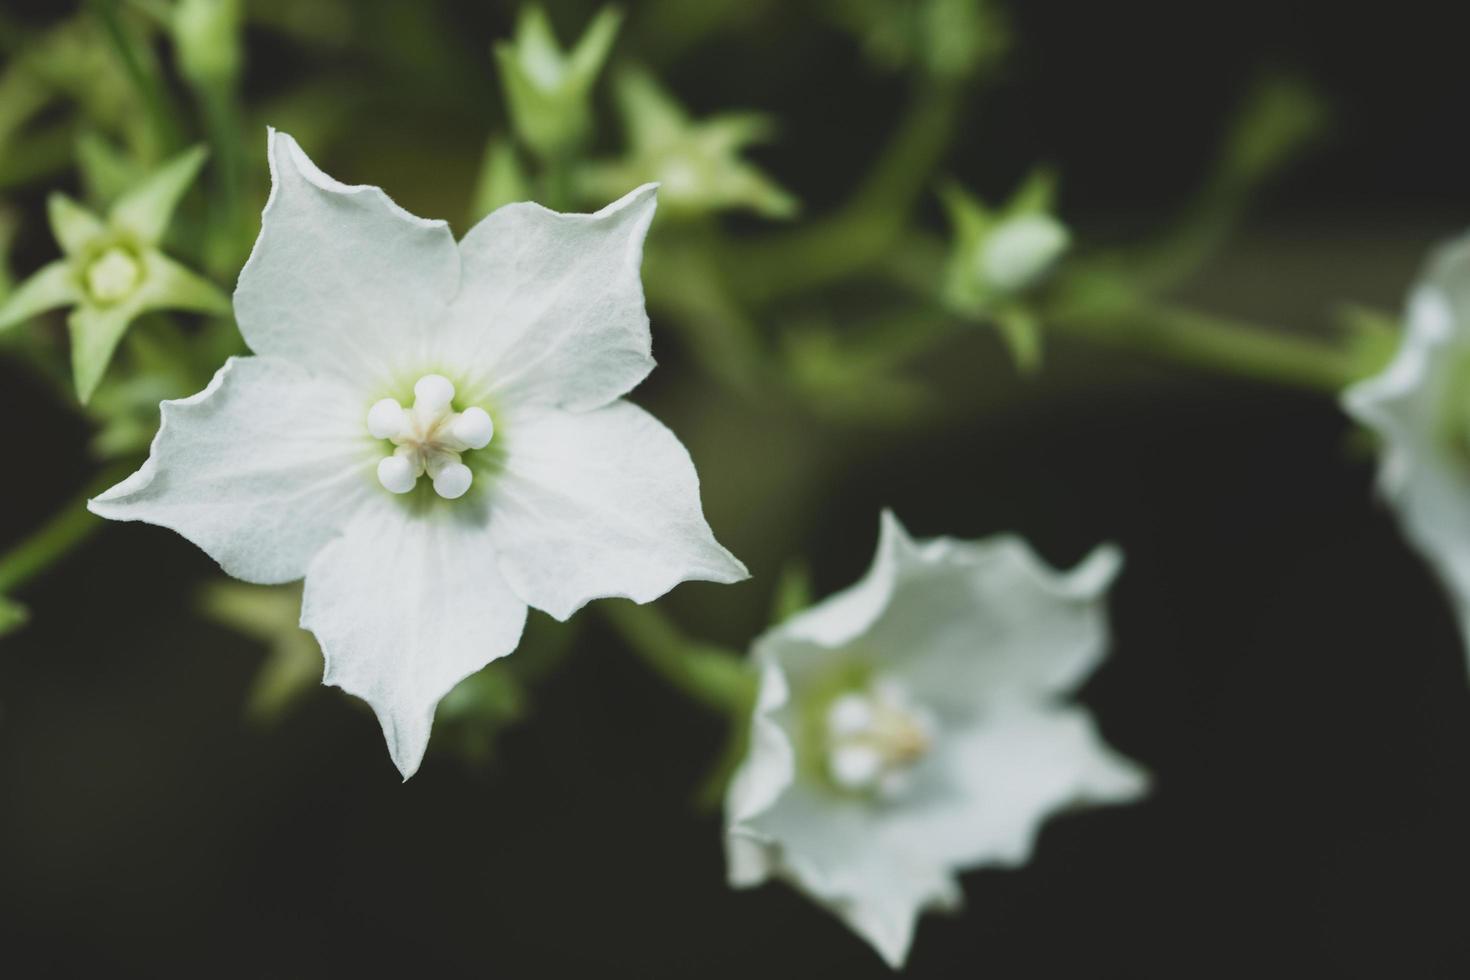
<point x="397" y="474"/>
<point x="452" y="480"/>
<point x="387" y="419"/>
<point x="433" y="393"/>
<point x="849" y="715"/>
<point x="855" y="766"/>
<point x="473" y="427"/>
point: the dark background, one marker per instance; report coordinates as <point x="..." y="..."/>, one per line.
<point x="1282" y="663"/>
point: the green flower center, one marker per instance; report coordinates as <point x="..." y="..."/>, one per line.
<point x="864" y="736"/>
<point x="112" y="276"/>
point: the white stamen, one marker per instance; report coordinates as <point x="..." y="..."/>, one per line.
<point x="473" y="427"/>
<point x="875" y="737"/>
<point x="453" y="480"/>
<point x="849" y="715"/>
<point x="433" y="393"/>
<point x="396" y="474"/>
<point x="855" y="766"/>
<point x="386" y="419"/>
<point x="429" y="438"/>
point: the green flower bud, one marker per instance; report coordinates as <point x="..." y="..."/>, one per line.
<point x="207" y="35"/>
<point x="548" y="91"/>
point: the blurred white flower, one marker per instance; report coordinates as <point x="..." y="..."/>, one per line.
<point x="908" y="728"/>
<point x="1419" y="406"/>
<point x="493" y="369"/>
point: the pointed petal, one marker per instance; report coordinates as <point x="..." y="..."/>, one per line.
<point x="260" y="469"/>
<point x="95" y="333"/>
<point x="342" y="280"/>
<point x="601" y="504"/>
<point x="836" y="851"/>
<point x="51" y="286"/>
<point x="1001" y="780"/>
<point x="406" y="604"/>
<point x="989" y="620"/>
<point x="146" y="209"/>
<point x="961" y="621"/>
<point x="1422" y="472"/>
<point x="551" y="308"/>
<point x="167" y="285"/>
<point x="73" y="225"/>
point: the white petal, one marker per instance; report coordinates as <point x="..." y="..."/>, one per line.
<point x="342" y="280"/>
<point x="990" y="621"/>
<point x="834" y="849"/>
<point x="959" y="622"/>
<point x="406" y="604"/>
<point x="551" y="309"/>
<point x="1422" y="474"/>
<point x="846" y="615"/>
<point x="984" y="796"/>
<point x="600" y="504"/>
<point x="259" y="469"/>
<point x="769" y="763"/>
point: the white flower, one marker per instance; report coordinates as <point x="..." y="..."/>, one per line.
<point x="494" y="369"/>
<point x="1419" y="405"/>
<point x="909" y="727"/>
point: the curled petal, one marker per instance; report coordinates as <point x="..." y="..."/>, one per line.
<point x="260" y="469"/>
<point x="601" y="504"/>
<point x="342" y="280"/>
<point x="406" y="604"/>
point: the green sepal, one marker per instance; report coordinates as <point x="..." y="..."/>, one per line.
<point x="12" y="615"/>
<point x="146" y="209"/>
<point x="697" y="163"/>
<point x="793" y="590"/>
<point x="74" y="227"/>
<point x="53" y="285"/>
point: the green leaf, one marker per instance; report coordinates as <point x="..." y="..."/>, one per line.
<point x="146" y="209"/>
<point x="74" y="226"/>
<point x="51" y="286"/>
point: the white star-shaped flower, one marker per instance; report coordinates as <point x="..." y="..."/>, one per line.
<point x="910" y="727"/>
<point x="1419" y="406"/>
<point x="433" y="434"/>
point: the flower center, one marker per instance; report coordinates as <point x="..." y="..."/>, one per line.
<point x="113" y="275"/>
<point x="430" y="437"/>
<point x="875" y="737"/>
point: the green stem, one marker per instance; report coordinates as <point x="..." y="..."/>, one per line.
<point x="714" y="676"/>
<point x="149" y="86"/>
<point x="1221" y="344"/>
<point x="68" y="528"/>
<point x="866" y="226"/>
